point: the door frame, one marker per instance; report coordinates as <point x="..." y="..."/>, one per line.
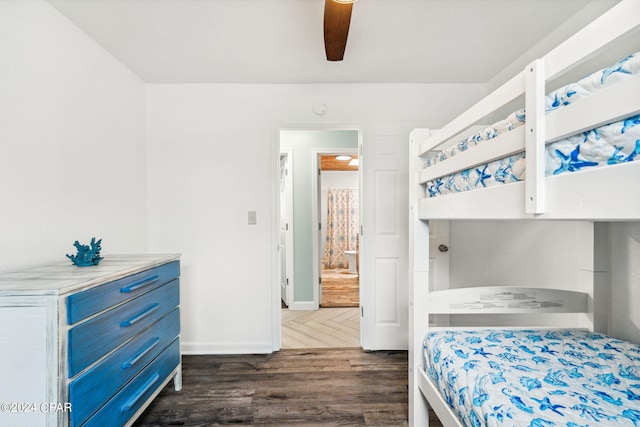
<point x="275" y="305"/>
<point x="315" y="209"/>
<point x="289" y="248"/>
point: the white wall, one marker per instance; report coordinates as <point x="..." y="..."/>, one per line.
<point x="519" y="253"/>
<point x="578" y="21"/>
<point x="544" y="254"/>
<point x="624" y="273"/>
<point x="72" y="141"/>
<point x="212" y="153"/>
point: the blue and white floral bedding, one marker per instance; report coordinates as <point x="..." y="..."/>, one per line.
<point x="607" y="145"/>
<point x="537" y="378"/>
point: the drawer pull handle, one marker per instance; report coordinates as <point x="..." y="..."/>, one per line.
<point x="140" y="354"/>
<point x="139" y="284"/>
<point x="138" y="394"/>
<point x="147" y="311"/>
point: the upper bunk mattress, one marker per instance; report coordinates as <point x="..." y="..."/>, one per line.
<point x="607" y="145"/>
<point x="565" y="377"/>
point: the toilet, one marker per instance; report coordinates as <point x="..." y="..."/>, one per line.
<point x="351" y="259"/>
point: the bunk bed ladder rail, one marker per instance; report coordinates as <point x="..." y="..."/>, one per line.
<point x="535" y="137"/>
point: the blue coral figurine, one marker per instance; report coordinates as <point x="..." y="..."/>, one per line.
<point x="87" y="255"/>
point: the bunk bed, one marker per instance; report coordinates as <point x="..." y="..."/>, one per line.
<point x="560" y="147"/>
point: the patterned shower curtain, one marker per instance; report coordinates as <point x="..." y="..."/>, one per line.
<point x="343" y="222"/>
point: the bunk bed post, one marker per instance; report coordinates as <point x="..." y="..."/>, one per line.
<point x="535" y="137"/>
<point x="418" y="283"/>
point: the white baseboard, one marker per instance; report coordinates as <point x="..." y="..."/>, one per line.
<point x="303" y="305"/>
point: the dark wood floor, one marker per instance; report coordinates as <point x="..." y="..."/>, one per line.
<point x="345" y="387"/>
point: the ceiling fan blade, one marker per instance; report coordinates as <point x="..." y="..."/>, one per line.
<point x="337" y="17"/>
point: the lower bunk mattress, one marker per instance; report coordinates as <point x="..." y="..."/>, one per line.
<point x="567" y="377"/>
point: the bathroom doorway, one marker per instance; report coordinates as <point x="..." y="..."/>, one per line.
<point x="339" y="229"/>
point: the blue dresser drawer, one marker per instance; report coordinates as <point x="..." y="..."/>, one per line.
<point x="122" y="406"/>
<point x="86" y="303"/>
<point x="96" y="337"/>
<point x="96" y="385"/>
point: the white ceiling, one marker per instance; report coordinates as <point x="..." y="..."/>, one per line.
<point x="281" y="41"/>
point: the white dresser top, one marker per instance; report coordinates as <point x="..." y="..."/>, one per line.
<point x="64" y="277"/>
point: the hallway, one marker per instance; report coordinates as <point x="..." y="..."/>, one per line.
<point x="335" y="327"/>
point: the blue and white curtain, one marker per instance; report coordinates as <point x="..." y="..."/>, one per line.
<point x="343" y="222"/>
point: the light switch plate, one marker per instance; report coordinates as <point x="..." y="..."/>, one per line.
<point x="252" y="218"/>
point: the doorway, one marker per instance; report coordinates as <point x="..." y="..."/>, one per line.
<point x="339" y="229"/>
<point x="316" y="315"/>
<point x="384" y="209"/>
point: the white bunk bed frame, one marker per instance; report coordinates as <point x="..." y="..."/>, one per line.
<point x="586" y="195"/>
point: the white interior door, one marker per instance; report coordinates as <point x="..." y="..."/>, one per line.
<point x="384" y="238"/>
<point x="285" y="238"/>
<point x="320" y="244"/>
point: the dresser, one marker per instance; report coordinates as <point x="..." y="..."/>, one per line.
<point x="88" y="346"/>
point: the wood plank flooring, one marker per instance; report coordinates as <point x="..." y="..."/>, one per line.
<point x="336" y="327"/>
<point x="301" y="387"/>
<point x="292" y="387"/>
<point x="340" y="288"/>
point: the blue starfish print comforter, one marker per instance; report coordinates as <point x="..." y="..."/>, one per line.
<point x="611" y="144"/>
<point x="543" y="378"/>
